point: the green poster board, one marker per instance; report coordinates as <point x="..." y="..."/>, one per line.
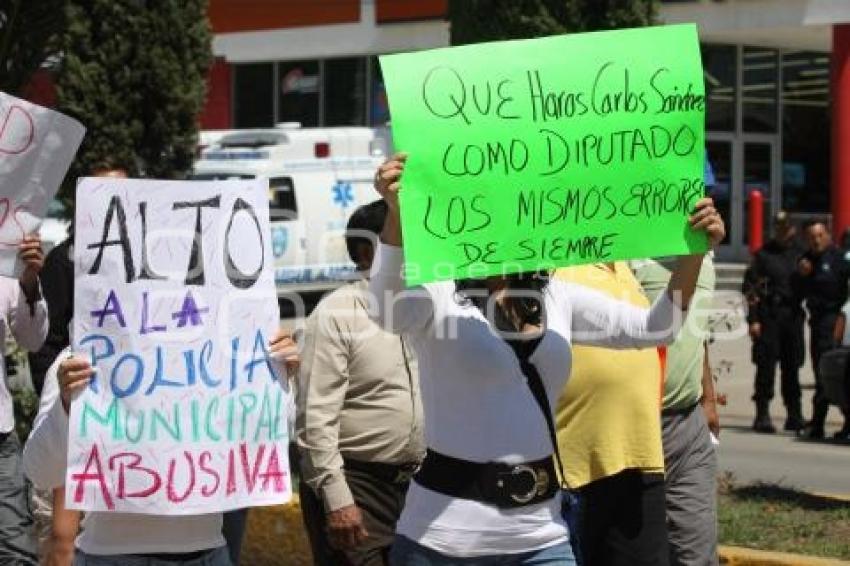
<point x="533" y="154"/>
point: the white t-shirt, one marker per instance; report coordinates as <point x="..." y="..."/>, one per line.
<point x="476" y="402"/>
<point x="45" y="461"/>
<point x="28" y="326"/>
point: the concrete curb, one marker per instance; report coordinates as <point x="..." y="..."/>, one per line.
<point x="738" y="556"/>
<point x="833" y="496"/>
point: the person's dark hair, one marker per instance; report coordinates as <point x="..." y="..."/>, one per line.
<point x="813" y="222"/>
<point x="367" y="218"/>
<point x="526" y="304"/>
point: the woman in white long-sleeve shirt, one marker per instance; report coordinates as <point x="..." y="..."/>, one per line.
<point x="122" y="539"/>
<point x="487" y="489"/>
<point x="23" y="311"/>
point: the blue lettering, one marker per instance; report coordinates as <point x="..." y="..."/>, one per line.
<point x="117" y="390"/>
<point x="203" y="359"/>
<point x="96" y="357"/>
<point x="259" y="356"/>
<point x="234" y="348"/>
<point x="160" y="380"/>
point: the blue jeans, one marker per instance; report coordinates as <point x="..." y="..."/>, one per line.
<point x="215" y="557"/>
<point x="233" y="529"/>
<point x="406" y="552"/>
<point x="17" y="536"/>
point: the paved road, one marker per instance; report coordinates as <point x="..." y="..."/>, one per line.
<point x="782" y="458"/>
<point x="814" y="466"/>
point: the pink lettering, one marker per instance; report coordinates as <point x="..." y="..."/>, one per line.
<point x="203" y="463"/>
<point x="135" y="466"/>
<point x="231" y="473"/>
<point x="273" y="472"/>
<point x="251" y="474"/>
<point x="17" y="132"/>
<point x="172" y="494"/>
<point x="86" y="475"/>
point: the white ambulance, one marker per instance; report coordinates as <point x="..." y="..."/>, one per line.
<point x="317" y="178"/>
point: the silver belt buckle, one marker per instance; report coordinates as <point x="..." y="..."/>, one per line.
<point x="540" y="483"/>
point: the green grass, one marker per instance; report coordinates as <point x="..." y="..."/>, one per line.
<point x="777" y="518"/>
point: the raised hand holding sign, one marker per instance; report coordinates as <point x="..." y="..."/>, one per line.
<point x="539" y="153"/>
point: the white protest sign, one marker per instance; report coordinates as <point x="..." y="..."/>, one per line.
<point x="36" y="149"/>
<point x="175" y="304"/>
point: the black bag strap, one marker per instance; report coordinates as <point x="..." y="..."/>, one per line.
<point x="524" y="349"/>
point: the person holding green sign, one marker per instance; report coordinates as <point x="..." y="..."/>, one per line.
<point x="493" y="354"/>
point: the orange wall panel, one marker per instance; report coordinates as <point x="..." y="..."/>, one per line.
<point x="387" y="11"/>
<point x="253" y="15"/>
<point x="216" y="112"/>
<point x="41" y="89"/>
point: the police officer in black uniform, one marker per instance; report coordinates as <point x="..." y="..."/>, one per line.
<point x="775" y="316"/>
<point x="824" y="275"/>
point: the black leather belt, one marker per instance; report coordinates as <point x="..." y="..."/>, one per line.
<point x="392" y="473"/>
<point x="502" y="485"/>
<point x="679" y="411"/>
<point x="176" y="556"/>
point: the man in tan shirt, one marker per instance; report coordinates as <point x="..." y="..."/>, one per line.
<point x="359" y="417"/>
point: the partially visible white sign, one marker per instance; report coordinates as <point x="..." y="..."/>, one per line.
<point x="36" y="149"/>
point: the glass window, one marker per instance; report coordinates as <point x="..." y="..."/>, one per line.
<point x="282" y="203"/>
<point x="720" y="63"/>
<point x="759" y="90"/>
<point x="805" y="131"/>
<point x="720" y="157"/>
<point x="379" y="108"/>
<point x="345" y="92"/>
<point x="253" y="92"/>
<point x="298" y="92"/>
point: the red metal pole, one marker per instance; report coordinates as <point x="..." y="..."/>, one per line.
<point x="755" y="222"/>
<point x="840" y="193"/>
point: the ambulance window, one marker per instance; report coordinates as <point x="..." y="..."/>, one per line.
<point x="253" y="139"/>
<point x="282" y="205"/>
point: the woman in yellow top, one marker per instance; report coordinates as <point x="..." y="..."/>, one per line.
<point x="609" y="435"/>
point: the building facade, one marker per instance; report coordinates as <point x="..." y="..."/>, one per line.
<point x="777" y="77"/>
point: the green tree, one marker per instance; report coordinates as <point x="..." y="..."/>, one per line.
<point x="615" y="14"/>
<point x="28" y="38"/>
<point x="473" y="21"/>
<point x="134" y="73"/>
